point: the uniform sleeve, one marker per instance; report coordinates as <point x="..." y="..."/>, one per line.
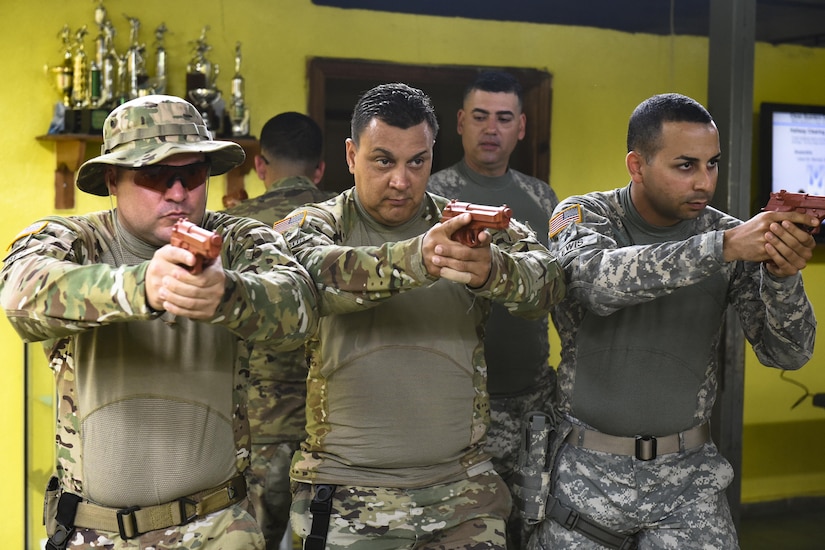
<point x="49" y="289"/>
<point x="269" y="296"/>
<point x="352" y="278"/>
<point x="776" y="315"/>
<point x="525" y="277"/>
<point x="605" y="273"/>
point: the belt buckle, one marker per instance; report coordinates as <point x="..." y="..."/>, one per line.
<point x="182" y="502"/>
<point x="130" y="513"/>
<point x="60" y="538"/>
<point x="645" y="447"/>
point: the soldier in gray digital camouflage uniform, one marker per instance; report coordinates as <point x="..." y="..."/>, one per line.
<point x="651" y="269"/>
<point x="491" y="122"/>
<point x="291" y="166"/>
<point x="150" y="358"/>
<point x="397" y="406"/>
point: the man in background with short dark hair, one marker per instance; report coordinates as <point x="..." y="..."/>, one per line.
<point x="290" y="165"/>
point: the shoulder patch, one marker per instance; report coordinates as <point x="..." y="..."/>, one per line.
<point x="28" y="232"/>
<point x="286" y="224"/>
<point x="571" y="214"/>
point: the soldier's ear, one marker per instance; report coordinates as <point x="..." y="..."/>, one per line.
<point x="352" y="150"/>
<point x="634" y="162"/>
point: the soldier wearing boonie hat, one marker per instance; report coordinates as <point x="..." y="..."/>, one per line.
<point x="149" y="130"/>
<point x="152" y="437"/>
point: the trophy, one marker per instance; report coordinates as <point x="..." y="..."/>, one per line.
<point x="80" y="71"/>
<point x="105" y="59"/>
<point x="122" y="82"/>
<point x="238" y="112"/>
<point x="62" y="73"/>
<point x="157" y="85"/>
<point x="135" y="66"/>
<point x="201" y="76"/>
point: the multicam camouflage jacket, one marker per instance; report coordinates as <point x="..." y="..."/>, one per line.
<point x="644" y="310"/>
<point x="277" y="382"/>
<point x="524" y="276"/>
<point x="282" y="197"/>
<point x="66" y="279"/>
<point x="356" y="278"/>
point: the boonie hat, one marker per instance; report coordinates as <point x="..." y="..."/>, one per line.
<point x="150" y="129"/>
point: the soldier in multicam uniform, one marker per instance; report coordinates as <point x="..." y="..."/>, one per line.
<point x="651" y="269"/>
<point x="149" y="358"/>
<point x="397" y="407"/>
<point x="290" y="165"/>
<point x="519" y="378"/>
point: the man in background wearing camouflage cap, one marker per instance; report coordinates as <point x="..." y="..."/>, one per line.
<point x="291" y="166"/>
<point x="148" y="355"/>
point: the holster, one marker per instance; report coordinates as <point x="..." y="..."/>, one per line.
<point x="542" y="436"/>
<point x="58" y="515"/>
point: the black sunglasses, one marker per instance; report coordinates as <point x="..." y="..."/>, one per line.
<point x="160" y="177"/>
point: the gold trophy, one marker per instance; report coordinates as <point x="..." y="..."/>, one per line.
<point x="61" y="78"/>
<point x="80" y="72"/>
<point x="62" y="73"/>
<point x="238" y="111"/>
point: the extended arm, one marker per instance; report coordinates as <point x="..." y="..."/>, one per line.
<point x="776" y="315"/>
<point x="350" y="278"/>
<point x="510" y="267"/>
<point x="50" y="288"/>
<point x="606" y="272"/>
<point x="54" y="284"/>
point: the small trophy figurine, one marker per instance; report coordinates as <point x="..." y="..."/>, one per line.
<point x="238" y="112"/>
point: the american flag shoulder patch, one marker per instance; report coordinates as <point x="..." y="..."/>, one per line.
<point x="286" y="224"/>
<point x="571" y="214"/>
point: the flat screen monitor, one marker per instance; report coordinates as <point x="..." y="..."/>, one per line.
<point x="792" y="150"/>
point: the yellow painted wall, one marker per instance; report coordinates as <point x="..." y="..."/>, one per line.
<point x="599" y="76"/>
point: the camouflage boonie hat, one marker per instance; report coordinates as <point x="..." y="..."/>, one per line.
<point x="150" y="129"/>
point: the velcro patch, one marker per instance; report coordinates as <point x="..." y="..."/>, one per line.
<point x="28" y="232"/>
<point x="571" y="214"/>
<point x="287" y="224"/>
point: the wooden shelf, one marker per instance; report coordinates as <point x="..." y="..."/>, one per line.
<point x="70" y="153"/>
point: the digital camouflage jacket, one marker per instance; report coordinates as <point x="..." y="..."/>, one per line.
<point x="644" y="312"/>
